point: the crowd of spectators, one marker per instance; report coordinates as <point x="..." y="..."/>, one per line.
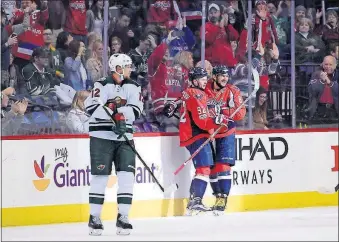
<point x="52" y="53"/>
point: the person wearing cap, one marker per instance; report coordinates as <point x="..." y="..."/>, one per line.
<point x="218" y="34"/>
<point x="9" y="35"/>
<point x="38" y="77"/>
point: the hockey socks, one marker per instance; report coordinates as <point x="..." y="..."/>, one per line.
<point x="214" y="181"/>
<point x="225" y="182"/>
<point x="97" y="194"/>
<point x="198" y="186"/>
<point x="125" y="191"/>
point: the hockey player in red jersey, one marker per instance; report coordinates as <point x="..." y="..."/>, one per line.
<point x="195" y="127"/>
<point x="224" y="99"/>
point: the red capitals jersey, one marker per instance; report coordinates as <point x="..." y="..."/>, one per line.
<point x="76" y="17"/>
<point x="31" y="38"/>
<point x="159" y="11"/>
<point x="195" y="121"/>
<point x="229" y="99"/>
<point x="166" y="82"/>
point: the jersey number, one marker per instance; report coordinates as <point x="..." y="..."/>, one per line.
<point x="96" y="92"/>
<point x="182" y="117"/>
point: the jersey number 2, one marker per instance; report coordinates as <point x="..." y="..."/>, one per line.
<point x="183" y="115"/>
<point x="96" y="92"/>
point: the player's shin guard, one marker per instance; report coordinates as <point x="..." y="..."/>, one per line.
<point x="96" y="200"/>
<point x="124" y="197"/>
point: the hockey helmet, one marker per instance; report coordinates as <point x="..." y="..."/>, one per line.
<point x="197" y="73"/>
<point x="121" y="60"/>
<point x="220" y="70"/>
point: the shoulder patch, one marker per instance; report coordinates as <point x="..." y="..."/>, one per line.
<point x="105" y="80"/>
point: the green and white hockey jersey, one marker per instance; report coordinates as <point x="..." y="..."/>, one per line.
<point x="128" y="98"/>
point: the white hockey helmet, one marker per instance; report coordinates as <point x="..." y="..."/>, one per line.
<point x="119" y="60"/>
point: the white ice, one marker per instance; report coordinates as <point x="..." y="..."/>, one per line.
<point x="307" y="224"/>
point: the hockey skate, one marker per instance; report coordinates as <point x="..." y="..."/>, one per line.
<point x="220" y="204"/>
<point x="123" y="225"/>
<point x="195" y="206"/>
<point x="95" y="226"/>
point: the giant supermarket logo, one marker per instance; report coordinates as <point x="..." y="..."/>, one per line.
<point x="61" y="175"/>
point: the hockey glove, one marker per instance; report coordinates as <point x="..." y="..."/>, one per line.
<point x="120" y="124"/>
<point x="222" y="120"/>
<point x="170" y="108"/>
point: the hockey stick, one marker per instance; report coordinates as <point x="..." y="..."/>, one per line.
<point x="256" y="87"/>
<point x="328" y="190"/>
<point x="168" y="190"/>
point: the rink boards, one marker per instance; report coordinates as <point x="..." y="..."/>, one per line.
<point x="46" y="179"/>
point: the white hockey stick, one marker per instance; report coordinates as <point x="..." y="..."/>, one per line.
<point x="328" y="190"/>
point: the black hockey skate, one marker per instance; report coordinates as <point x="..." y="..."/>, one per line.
<point x="220" y="204"/>
<point x="95" y="226"/>
<point x="123" y="225"/>
<point x="195" y="206"/>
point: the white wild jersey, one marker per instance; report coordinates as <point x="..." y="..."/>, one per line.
<point x="128" y="98"/>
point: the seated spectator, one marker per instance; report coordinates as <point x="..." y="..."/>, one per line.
<point x="139" y="57"/>
<point x="94" y="64"/>
<point x="62" y="43"/>
<point x="330" y="31"/>
<point x="76" y="75"/>
<point x="115" y="45"/>
<point x="11" y="121"/>
<point x="77" y="119"/>
<point x="260" y="113"/>
<point x="39" y="78"/>
<point x="55" y="62"/>
<point x="308" y="46"/>
<point x="323" y="88"/>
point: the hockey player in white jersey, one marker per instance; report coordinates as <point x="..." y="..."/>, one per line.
<point x="122" y="98"/>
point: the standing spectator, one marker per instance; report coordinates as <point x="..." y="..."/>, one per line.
<point x="57" y="17"/>
<point x="139" y="57"/>
<point x="39" y="78"/>
<point x="95" y="18"/>
<point x="323" y="88"/>
<point x="9" y="35"/>
<point x="76" y="75"/>
<point x="62" y="43"/>
<point x="75" y="23"/>
<point x="91" y="38"/>
<point x="158" y="11"/>
<point x="94" y="64"/>
<point x="280" y="23"/>
<point x="11" y="121"/>
<point x="330" y="31"/>
<point x="12" y="77"/>
<point x="218" y="35"/>
<point x="334" y="51"/>
<point x="32" y="37"/>
<point x="55" y="62"/>
<point x="308" y="46"/>
<point x="123" y="31"/>
<point x="77" y="119"/>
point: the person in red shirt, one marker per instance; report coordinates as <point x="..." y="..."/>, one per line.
<point x="224" y="99"/>
<point x="195" y="127"/>
<point x="218" y="34"/>
<point x="75" y="22"/>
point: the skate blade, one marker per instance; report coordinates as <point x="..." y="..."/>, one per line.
<point x="218" y="213"/>
<point x="121" y="231"/>
<point x="198" y="213"/>
<point x="95" y="232"/>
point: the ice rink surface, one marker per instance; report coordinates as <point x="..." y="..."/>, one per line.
<point x="307" y="224"/>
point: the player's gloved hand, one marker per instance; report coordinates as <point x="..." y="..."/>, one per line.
<point x="222" y="120"/>
<point x="120" y="124"/>
<point x="170" y="108"/>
